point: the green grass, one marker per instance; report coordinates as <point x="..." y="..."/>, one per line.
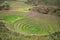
<point x="41" y="26"/>
<point x="11" y="19"/>
<point x="19" y="6"/>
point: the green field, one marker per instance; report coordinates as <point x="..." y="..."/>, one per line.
<point x="11" y="19"/>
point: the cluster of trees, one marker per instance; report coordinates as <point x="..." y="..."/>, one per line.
<point x="46" y="10"/>
<point x="43" y="9"/>
<point x="4" y="5"/>
<point x="55" y="35"/>
<point x="46" y="2"/>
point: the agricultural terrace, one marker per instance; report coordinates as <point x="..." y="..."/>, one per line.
<point x="22" y="21"/>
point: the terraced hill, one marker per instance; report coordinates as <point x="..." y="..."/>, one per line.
<point x="27" y="25"/>
<point x="33" y="23"/>
<point x="6" y="34"/>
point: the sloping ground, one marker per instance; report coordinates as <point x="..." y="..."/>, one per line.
<point x="19" y="6"/>
<point x="31" y="19"/>
<point x="36" y="17"/>
<point x="6" y="34"/>
<point x="35" y="23"/>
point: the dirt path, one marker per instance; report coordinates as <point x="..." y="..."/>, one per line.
<point x="7" y="10"/>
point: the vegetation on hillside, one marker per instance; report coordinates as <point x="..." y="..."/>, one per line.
<point x="46" y="2"/>
<point x="26" y="22"/>
<point x="4" y="6"/>
<point x="45" y="10"/>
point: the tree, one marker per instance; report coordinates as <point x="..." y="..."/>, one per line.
<point x="58" y="2"/>
<point x="1" y="1"/>
<point x="33" y="2"/>
<point x="46" y="2"/>
<point x="55" y="35"/>
<point x="4" y="6"/>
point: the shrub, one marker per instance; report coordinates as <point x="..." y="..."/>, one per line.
<point x="0" y="38"/>
<point x="0" y="7"/>
<point x="55" y="35"/>
<point x="39" y="9"/>
<point x="5" y="6"/>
